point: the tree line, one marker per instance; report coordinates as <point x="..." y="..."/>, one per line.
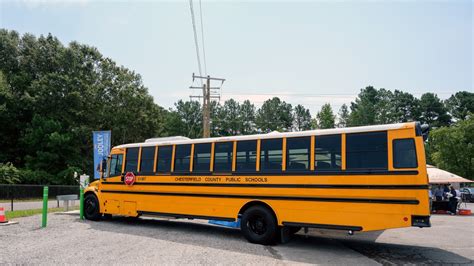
<point x="371" y="107"/>
<point x="53" y="96"/>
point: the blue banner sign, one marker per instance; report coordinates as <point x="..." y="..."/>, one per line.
<point x="101" y="140"/>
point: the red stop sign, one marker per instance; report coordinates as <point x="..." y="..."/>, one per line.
<point x="129" y="178"/>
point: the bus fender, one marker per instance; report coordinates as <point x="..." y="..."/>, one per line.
<point x="257" y="202"/>
<point x="93" y="188"/>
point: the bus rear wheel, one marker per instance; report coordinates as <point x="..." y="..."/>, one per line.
<point x="259" y="226"/>
<point x="91" y="208"/>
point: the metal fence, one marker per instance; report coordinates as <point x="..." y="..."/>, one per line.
<point x="29" y="195"/>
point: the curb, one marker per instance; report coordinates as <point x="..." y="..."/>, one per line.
<point x="8" y="223"/>
<point x="75" y="212"/>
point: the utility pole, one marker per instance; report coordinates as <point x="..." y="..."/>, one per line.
<point x="208" y="93"/>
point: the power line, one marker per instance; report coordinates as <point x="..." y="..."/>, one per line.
<point x="315" y="94"/>
<point x="208" y="92"/>
<point x="202" y="39"/>
<point x="195" y="38"/>
<point x="206" y="97"/>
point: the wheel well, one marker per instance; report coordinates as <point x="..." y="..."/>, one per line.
<point x="87" y="193"/>
<point x="255" y="203"/>
<point x="90" y="192"/>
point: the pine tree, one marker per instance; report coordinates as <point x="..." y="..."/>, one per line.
<point x="326" y="117"/>
<point x="343" y="116"/>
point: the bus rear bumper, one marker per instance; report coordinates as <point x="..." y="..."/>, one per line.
<point x="420" y="221"/>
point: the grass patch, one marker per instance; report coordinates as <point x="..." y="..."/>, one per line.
<point x="25" y="213"/>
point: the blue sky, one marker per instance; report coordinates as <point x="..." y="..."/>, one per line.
<point x="309" y="52"/>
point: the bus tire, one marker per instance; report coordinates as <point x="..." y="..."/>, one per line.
<point x="91" y="208"/>
<point x="259" y="225"/>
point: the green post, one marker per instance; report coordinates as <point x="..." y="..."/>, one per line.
<point x="81" y="202"/>
<point x="45" y="206"/>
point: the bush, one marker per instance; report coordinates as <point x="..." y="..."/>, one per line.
<point x="452" y="148"/>
<point x="9" y="174"/>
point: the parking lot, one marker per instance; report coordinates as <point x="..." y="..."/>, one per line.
<point x="121" y="240"/>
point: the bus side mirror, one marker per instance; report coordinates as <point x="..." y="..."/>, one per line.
<point x="422" y="130"/>
<point x="103" y="166"/>
<point x="425" y="130"/>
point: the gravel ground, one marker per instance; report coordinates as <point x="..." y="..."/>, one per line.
<point x="68" y="240"/>
<point x="150" y="241"/>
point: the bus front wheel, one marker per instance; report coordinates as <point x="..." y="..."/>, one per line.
<point x="259" y="226"/>
<point x="91" y="208"/>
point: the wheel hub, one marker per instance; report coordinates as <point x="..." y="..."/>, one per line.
<point x="257" y="225"/>
<point x="90" y="206"/>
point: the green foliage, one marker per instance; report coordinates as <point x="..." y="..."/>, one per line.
<point x="186" y="120"/>
<point x="274" y="115"/>
<point x="38" y="176"/>
<point x="433" y="112"/>
<point x="461" y="104"/>
<point x="6" y="118"/>
<point x="234" y="118"/>
<point x="325" y="117"/>
<point x="247" y="115"/>
<point x="343" y="116"/>
<point x="406" y="107"/>
<point x="228" y="119"/>
<point x="231" y="118"/>
<point x="381" y="106"/>
<point x="384" y="107"/>
<point x="9" y="174"/>
<point x="53" y="96"/>
<point x="363" y="110"/>
<point x="452" y="148"/>
<point x="302" y="118"/>
<point x="428" y="153"/>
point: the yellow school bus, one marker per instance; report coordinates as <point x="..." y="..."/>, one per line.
<point x="353" y="179"/>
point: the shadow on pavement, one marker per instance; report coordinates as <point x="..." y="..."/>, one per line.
<point x="405" y="254"/>
<point x="183" y="232"/>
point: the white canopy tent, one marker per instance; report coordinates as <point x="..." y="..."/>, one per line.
<point x="438" y="176"/>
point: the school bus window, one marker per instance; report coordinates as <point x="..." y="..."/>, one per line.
<point x="223" y="156"/>
<point x="271" y="155"/>
<point x="182" y="158"/>
<point x="327" y="152"/>
<point x="366" y="150"/>
<point x="116" y="165"/>
<point x="147" y="159"/>
<point x="246" y="157"/>
<point x="131" y="160"/>
<point x="404" y="153"/>
<point x="202" y="157"/>
<point x="298" y="154"/>
<point x="164" y="159"/>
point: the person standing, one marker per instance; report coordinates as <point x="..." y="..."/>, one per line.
<point x="445" y="191"/>
<point x="453" y="201"/>
<point x="430" y="196"/>
<point x="438" y="193"/>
